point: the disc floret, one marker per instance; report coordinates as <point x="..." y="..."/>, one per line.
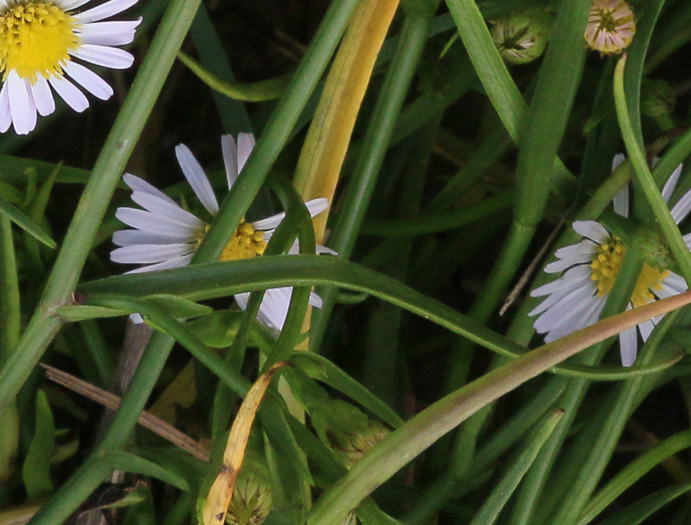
<point x="35" y="39"/>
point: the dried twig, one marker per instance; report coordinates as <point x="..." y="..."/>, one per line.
<point x="111" y="401"/>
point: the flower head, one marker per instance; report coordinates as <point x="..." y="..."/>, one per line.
<point x="165" y="235"/>
<point x="590" y="268"/>
<point x="610" y="26"/>
<point x="42" y="46"/>
<point x="347" y="430"/>
<point x="521" y="37"/>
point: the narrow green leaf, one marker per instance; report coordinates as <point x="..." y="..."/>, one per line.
<point x="25" y="223"/>
<point x="254" y="92"/>
<point x="320" y="368"/>
<point x="647" y="506"/>
<point x="633" y="472"/>
<point x="131" y="463"/>
<point x="177" y="307"/>
<point x="36" y="467"/>
<point x="72" y="313"/>
<point x="493" y="505"/>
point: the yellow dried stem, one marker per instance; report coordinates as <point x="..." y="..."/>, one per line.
<point x="327" y="141"/>
<point x="221" y="491"/>
<point x="332" y="126"/>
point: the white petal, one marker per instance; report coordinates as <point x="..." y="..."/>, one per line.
<point x="592" y="230"/>
<point x="573" y="319"/>
<point x="5" y="114"/>
<point x="149" y="253"/>
<point x="118" y="33"/>
<point x="621" y="202"/>
<point x="138" y="184"/>
<point x="69" y="93"/>
<point x="22" y="106"/>
<point x="628" y="346"/>
<point x="580" y="319"/>
<point x="144" y="220"/>
<point x="177" y="262"/>
<point x="71" y="4"/>
<point x="618" y="159"/>
<point x="89" y="80"/>
<point x="165" y="210"/>
<point x="576" y="274"/>
<point x="230" y="158"/>
<point x="270" y="223"/>
<point x="130" y="237"/>
<point x="687" y="237"/>
<point x="682" y="207"/>
<point x="315" y="300"/>
<point x="568" y="286"/>
<point x="316" y="206"/>
<point x="43" y="96"/>
<point x="565" y="307"/>
<point x="580" y="252"/>
<point x="646" y="328"/>
<point x="245" y="147"/>
<point x="197" y="178"/>
<point x="105" y="56"/>
<point x="676" y="282"/>
<point x="274" y="307"/>
<point x="105" y="10"/>
<point x="323" y="249"/>
<point x="671" y="183"/>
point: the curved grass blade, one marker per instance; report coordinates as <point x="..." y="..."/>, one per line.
<point x="22" y="220"/>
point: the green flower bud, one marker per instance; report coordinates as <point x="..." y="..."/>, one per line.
<point x="346" y="429"/>
<point x="252" y="501"/>
<point x="657" y="98"/>
<point x="521" y="37"/>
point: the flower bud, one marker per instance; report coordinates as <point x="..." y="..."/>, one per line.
<point x="610" y="27"/>
<point x="521" y="37"/>
<point x="252" y="501"/>
<point x="657" y="98"/>
<point x="346" y="429"/>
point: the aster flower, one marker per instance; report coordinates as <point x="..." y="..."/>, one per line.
<point x="610" y="26"/>
<point x="575" y="300"/>
<point x="43" y="45"/>
<point x="165" y="235"/>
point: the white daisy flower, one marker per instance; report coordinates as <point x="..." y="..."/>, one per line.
<point x="590" y="267"/>
<point x="39" y="42"/>
<point x="164" y="235"/>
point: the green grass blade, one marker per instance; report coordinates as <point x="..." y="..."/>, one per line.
<point x="25" y="223"/>
<point x="503" y="490"/>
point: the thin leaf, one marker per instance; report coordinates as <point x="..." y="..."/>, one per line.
<point x="25" y="223"/>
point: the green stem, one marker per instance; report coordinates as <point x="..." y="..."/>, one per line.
<point x="494" y="504"/>
<point x="97" y="193"/>
<point x="664" y="219"/>
<point x="9" y="292"/>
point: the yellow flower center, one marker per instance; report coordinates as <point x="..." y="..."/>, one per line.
<point x="35" y="38"/>
<point x="605" y="267"/>
<point x="243" y="244"/>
